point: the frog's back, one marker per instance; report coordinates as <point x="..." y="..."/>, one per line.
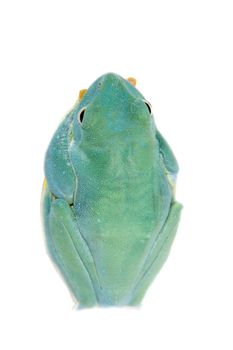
<point x="121" y="204"/>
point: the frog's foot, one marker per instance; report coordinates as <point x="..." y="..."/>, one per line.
<point x="132" y="81"/>
<point x="158" y="254"/>
<point x="81" y="94"/>
<point x="69" y="251"/>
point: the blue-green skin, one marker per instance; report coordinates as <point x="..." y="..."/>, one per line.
<point x="109" y="211"/>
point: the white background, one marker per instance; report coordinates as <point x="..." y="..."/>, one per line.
<point x="181" y="53"/>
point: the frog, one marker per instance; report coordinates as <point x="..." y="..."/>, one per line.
<point x="108" y="201"/>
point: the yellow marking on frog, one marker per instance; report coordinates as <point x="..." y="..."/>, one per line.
<point x="132" y="81"/>
<point x="81" y="94"/>
<point x="44" y="184"/>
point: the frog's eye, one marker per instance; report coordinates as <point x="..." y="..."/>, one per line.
<point x="81" y="115"/>
<point x="148" y="106"/>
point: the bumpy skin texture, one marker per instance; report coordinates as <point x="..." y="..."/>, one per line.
<point x="108" y="208"/>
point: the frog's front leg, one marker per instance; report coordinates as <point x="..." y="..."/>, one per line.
<point x="158" y="254"/>
<point x="59" y="172"/>
<point x="69" y="251"/>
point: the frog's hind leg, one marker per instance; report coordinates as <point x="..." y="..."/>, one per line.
<point x="158" y="254"/>
<point x="68" y="250"/>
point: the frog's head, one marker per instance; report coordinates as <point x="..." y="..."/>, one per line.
<point x="112" y="111"/>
